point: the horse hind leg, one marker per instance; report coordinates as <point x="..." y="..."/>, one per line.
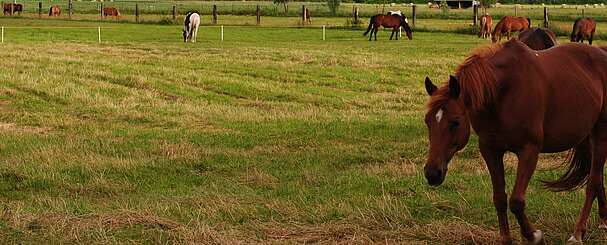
<point x="375" y="33"/>
<point x="392" y="34"/>
<point x="594" y="186"/>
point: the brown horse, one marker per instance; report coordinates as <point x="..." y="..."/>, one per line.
<point x="111" y="11"/>
<point x="54" y="11"/>
<point x="11" y="8"/>
<point x="508" y="25"/>
<point x="525" y="102"/>
<point x="388" y="21"/>
<point x="308" y="17"/>
<point x="583" y="28"/>
<point x="538" y="38"/>
<point x="486" y="26"/>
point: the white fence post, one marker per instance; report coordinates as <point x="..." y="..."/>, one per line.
<point x="221" y="33"/>
<point x="99" y="33"/>
<point x="323" y="32"/>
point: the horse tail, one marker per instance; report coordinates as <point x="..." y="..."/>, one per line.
<point x="483" y="23"/>
<point x="528" y="21"/>
<point x="371" y="23"/>
<point x="577" y="173"/>
<point x="50" y="11"/>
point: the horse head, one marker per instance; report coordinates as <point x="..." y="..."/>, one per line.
<point x="405" y="25"/>
<point x="448" y="127"/>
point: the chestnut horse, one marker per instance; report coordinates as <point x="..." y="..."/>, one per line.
<point x="525" y="102"/>
<point x="54" y="11"/>
<point x="16" y="8"/>
<point x="111" y="11"/>
<point x="583" y="28"/>
<point x="538" y="38"/>
<point x="388" y="21"/>
<point x="486" y="26"/>
<point x="508" y="25"/>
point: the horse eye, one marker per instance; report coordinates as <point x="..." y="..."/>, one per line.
<point x="453" y="125"/>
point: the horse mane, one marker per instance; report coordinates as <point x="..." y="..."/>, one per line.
<point x="478" y="85"/>
<point x="548" y="40"/>
<point x="498" y="27"/>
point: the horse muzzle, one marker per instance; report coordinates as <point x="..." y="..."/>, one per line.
<point x="435" y="176"/>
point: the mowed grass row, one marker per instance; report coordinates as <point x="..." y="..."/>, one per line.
<point x="272" y="136"/>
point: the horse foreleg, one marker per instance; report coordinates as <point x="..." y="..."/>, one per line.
<point x="591" y="37"/>
<point x="392" y="35"/>
<point x="495" y="164"/>
<point x="195" y="34"/>
<point x="526" y="166"/>
<point x="594" y="187"/>
<point x="375" y="32"/>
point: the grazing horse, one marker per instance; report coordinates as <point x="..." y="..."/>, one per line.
<point x="54" y="11"/>
<point x="583" y="28"/>
<point x="190" y="26"/>
<point x="16" y="8"/>
<point x="111" y="11"/>
<point x="525" y="102"/>
<point x="388" y="21"/>
<point x="486" y="26"/>
<point x="538" y="38"/>
<point x="508" y="25"/>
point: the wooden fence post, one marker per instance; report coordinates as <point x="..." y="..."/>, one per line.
<point x="39" y="10"/>
<point x="12" y="11"/>
<point x="355" y="15"/>
<point x="101" y="10"/>
<point x="70" y="8"/>
<point x="303" y="14"/>
<point x="583" y="13"/>
<point x="258" y="14"/>
<point x="174" y="13"/>
<point x="214" y="19"/>
<point x="546" y="17"/>
<point x="515" y="10"/>
<point x="475" y="13"/>
<point x="414" y="14"/>
<point x="137" y="12"/>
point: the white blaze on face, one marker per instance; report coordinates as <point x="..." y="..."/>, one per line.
<point x="439" y="115"/>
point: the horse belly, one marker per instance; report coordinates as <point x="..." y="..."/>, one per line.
<point x="575" y="107"/>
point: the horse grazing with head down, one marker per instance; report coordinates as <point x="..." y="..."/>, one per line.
<point x="526" y="102"/>
<point x="111" y="11"/>
<point x="538" y="38"/>
<point x="54" y="11"/>
<point x="388" y="21"/>
<point x="508" y="25"/>
<point x="486" y="26"/>
<point x="190" y="26"/>
<point x="11" y="8"/>
<point x="583" y="28"/>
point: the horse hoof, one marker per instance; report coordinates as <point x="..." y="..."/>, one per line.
<point x="572" y="239"/>
<point x="538" y="236"/>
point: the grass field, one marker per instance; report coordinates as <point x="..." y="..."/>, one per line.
<point x="270" y="136"/>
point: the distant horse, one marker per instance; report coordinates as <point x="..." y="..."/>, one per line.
<point x="508" y="25"/>
<point x="526" y="102"/>
<point x="308" y="17"/>
<point x="111" y="11"/>
<point x="538" y="38"/>
<point x="16" y="8"/>
<point x="54" y="11"/>
<point x="388" y="21"/>
<point x="190" y="26"/>
<point x="583" y="28"/>
<point x="486" y="26"/>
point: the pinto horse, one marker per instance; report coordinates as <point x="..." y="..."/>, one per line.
<point x="15" y="7"/>
<point x="111" y="11"/>
<point x="508" y="25"/>
<point x="486" y="26"/>
<point x="388" y="21"/>
<point x="583" y="28"/>
<point x="525" y="109"/>
<point x="54" y="11"/>
<point x="538" y="38"/>
<point x="190" y="26"/>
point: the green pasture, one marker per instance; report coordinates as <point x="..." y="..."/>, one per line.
<point x="271" y="136"/>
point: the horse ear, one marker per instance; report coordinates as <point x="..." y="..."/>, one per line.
<point x="454" y="88"/>
<point x="430" y="88"/>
